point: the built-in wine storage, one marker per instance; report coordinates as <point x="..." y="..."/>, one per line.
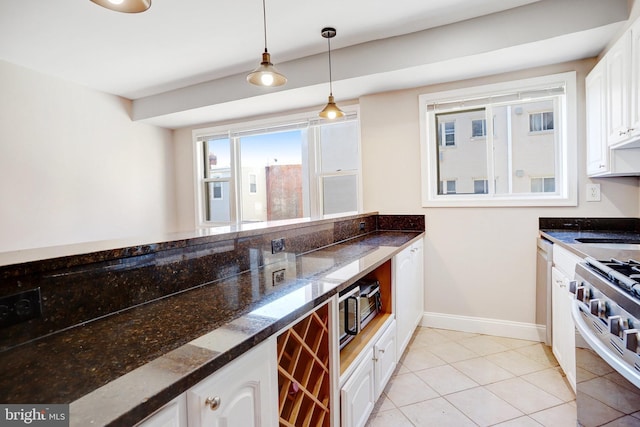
<point x="303" y="372"/>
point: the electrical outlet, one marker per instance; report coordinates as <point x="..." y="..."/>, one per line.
<point x="18" y="308"/>
<point x="277" y="277"/>
<point x="362" y="226"/>
<point x="593" y="192"/>
<point x="277" y="245"/>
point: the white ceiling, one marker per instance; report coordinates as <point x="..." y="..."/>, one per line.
<point x="183" y="61"/>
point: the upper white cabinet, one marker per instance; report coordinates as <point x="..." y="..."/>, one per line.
<point x="409" y="292"/>
<point x="173" y="414"/>
<point x="597" y="147"/>
<point x="613" y="109"/>
<point x="618" y="90"/>
<point x="242" y="393"/>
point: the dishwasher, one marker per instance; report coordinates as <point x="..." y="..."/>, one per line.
<point x="544" y="263"/>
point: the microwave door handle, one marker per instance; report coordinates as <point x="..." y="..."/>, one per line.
<point x="351" y="330"/>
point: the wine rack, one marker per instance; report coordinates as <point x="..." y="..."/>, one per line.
<point x="303" y="372"/>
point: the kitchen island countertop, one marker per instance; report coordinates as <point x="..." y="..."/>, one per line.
<point x="119" y="369"/>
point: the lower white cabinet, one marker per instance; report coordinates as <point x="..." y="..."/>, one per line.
<point x="242" y="393"/>
<point x="173" y="414"/>
<point x="408" y="284"/>
<point x="360" y="392"/>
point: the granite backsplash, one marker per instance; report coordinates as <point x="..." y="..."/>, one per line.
<point x="80" y="288"/>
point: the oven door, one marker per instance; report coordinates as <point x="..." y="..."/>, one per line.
<point x="349" y="315"/>
<point x="607" y="387"/>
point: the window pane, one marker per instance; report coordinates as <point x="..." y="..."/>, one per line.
<point x="480" y="186"/>
<point x="520" y="154"/>
<point x="548" y="120"/>
<point x="276" y="161"/>
<point x="340" y="194"/>
<point x="536" y="185"/>
<point x="478" y="128"/>
<point x="218" y="208"/>
<point x="549" y="185"/>
<point x="339" y="147"/>
<point x="217" y="158"/>
<point x="467" y="160"/>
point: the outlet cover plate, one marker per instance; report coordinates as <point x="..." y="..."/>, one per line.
<point x="277" y="245"/>
<point x="593" y="193"/>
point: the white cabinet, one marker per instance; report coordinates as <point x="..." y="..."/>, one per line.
<point x="359" y="393"/>
<point x="563" y="330"/>
<point x="634" y="124"/>
<point x="597" y="147"/>
<point x="242" y="393"/>
<point x="173" y="414"/>
<point x="618" y="89"/>
<point x="384" y="358"/>
<point x="408" y="288"/>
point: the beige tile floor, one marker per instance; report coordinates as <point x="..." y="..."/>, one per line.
<point x="458" y="379"/>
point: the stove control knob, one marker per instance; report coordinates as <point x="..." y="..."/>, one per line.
<point x="630" y="337"/>
<point x="581" y="291"/>
<point x="573" y="285"/>
<point x="598" y="308"/>
<point x="616" y="325"/>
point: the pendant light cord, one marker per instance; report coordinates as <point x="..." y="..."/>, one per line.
<point x="264" y="21"/>
<point x="330" y="79"/>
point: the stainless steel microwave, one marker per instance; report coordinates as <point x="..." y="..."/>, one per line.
<point x="357" y="305"/>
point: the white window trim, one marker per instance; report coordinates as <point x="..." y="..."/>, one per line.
<point x="567" y="194"/>
<point x="314" y="175"/>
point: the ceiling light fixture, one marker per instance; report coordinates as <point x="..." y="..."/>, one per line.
<point x="127" y="6"/>
<point x="331" y="111"/>
<point x="266" y="74"/>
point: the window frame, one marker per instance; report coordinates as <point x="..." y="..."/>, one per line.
<point x="566" y="155"/>
<point x="311" y="159"/>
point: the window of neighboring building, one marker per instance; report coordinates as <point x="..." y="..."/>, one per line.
<point x="478" y="128"/>
<point x="287" y="168"/>
<point x="448" y="187"/>
<point x="539" y="122"/>
<point x="480" y="186"/>
<point x="447" y="134"/>
<point x="543" y="185"/>
<point x="512" y="133"/>
<point x="253" y="185"/>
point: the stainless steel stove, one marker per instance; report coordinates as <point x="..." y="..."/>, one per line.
<point x="606" y="311"/>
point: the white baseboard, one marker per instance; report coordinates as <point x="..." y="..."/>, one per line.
<point x="479" y="325"/>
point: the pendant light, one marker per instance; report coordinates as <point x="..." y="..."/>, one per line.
<point x="331" y="111"/>
<point x="266" y="74"/>
<point x="127" y="6"/>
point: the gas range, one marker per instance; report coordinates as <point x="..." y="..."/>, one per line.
<point x="607" y="312"/>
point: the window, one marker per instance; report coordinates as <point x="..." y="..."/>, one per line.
<point x="448" y="187"/>
<point x="515" y="144"/>
<point x="294" y="167"/>
<point x="253" y="186"/>
<point x="478" y="128"/>
<point x="543" y="185"/>
<point x="480" y="186"/>
<point x="539" y="122"/>
<point x="447" y="135"/>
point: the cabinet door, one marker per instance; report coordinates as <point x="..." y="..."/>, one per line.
<point x="357" y="396"/>
<point x="618" y="84"/>
<point x="243" y="393"/>
<point x="173" y="414"/>
<point x="384" y="357"/>
<point x="597" y="147"/>
<point x="635" y="80"/>
<point x="409" y="292"/>
<point x="563" y="330"/>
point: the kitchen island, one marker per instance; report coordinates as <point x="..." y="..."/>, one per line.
<point x="124" y="331"/>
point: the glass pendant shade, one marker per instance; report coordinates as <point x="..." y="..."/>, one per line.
<point x="127" y="6"/>
<point x="266" y="74"/>
<point x="331" y="110"/>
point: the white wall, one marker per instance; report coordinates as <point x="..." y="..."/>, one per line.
<point x="479" y="262"/>
<point x="75" y="168"/>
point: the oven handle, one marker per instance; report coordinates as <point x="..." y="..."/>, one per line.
<point x="356" y="324"/>
<point x="602" y="350"/>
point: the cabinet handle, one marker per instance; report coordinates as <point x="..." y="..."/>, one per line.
<point x="601" y="166"/>
<point x="213" y="402"/>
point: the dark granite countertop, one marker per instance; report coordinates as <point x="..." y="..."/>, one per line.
<point x="568" y="232"/>
<point x="119" y="369"/>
